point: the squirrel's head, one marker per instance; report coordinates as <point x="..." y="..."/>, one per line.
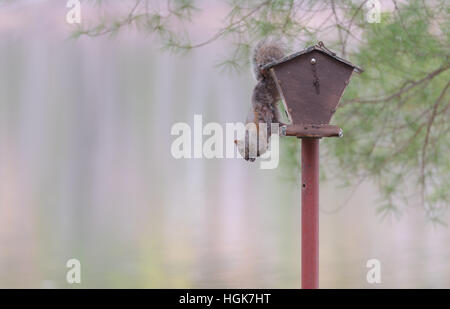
<point x="242" y="151"/>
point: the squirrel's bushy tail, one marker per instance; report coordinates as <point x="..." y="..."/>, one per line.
<point x="265" y="52"/>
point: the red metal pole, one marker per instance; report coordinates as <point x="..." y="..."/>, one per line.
<point x="310" y="213"/>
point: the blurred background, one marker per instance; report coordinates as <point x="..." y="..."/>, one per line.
<point x="86" y="172"/>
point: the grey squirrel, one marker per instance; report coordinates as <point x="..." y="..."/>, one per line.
<point x="265" y="97"/>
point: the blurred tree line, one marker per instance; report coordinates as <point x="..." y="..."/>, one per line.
<point x="395" y="115"/>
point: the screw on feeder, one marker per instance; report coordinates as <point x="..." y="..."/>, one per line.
<point x="310" y="110"/>
<point x="316" y="81"/>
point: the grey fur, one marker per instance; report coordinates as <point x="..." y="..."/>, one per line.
<point x="265" y="94"/>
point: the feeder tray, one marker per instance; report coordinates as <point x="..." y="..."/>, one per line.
<point x="311" y="130"/>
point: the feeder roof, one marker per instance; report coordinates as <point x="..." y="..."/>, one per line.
<point x="308" y="50"/>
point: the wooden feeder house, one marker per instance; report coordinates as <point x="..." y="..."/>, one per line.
<point x="311" y="83"/>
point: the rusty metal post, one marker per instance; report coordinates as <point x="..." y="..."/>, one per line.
<point x="310" y="213"/>
<point x="311" y="83"/>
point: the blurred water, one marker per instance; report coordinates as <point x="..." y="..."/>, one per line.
<point x="86" y="172"/>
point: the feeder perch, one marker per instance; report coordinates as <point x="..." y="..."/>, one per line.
<point x="311" y="83"/>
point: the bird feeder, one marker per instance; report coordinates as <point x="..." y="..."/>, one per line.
<point x="311" y="83"/>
